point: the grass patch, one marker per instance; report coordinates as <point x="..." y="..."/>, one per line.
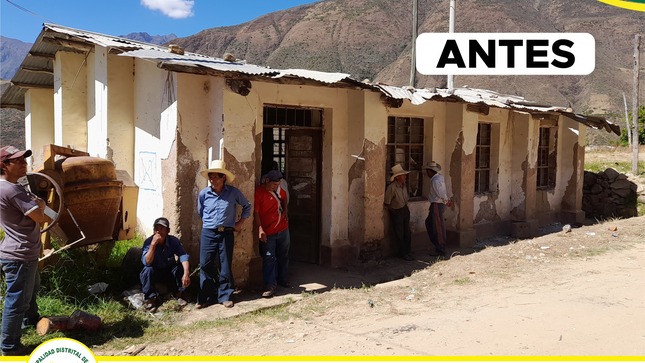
<point x="623" y="167"/>
<point x="463" y="281"/>
<point x="64" y="288"/>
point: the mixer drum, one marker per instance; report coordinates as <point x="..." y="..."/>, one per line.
<point x="93" y="196"/>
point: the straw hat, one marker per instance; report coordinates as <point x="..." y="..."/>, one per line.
<point x="433" y="166"/>
<point x="218" y="166"/>
<point x="397" y="170"/>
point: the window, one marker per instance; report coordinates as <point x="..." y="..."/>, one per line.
<point x="405" y="137"/>
<point x="546" y="159"/>
<point x="482" y="158"/>
<point x="277" y="121"/>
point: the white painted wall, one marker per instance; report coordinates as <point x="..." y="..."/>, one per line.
<point x="39" y="123"/>
<point x="120" y="112"/>
<point x="97" y="102"/>
<point x="70" y="100"/>
<point x="150" y="142"/>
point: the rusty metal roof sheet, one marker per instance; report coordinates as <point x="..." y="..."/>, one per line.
<point x="36" y="71"/>
<point x="167" y="60"/>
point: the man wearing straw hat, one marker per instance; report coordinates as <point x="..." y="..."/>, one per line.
<point x="438" y="197"/>
<point x="396" y="201"/>
<point x="217" y="206"/>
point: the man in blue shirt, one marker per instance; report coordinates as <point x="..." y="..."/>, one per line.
<point x="164" y="260"/>
<point x="217" y="206"/>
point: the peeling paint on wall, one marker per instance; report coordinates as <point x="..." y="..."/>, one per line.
<point x="187" y="168"/>
<point x="518" y="201"/>
<point x="573" y="184"/>
<point x="487" y="210"/>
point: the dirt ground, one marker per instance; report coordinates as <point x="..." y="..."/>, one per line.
<point x="580" y="293"/>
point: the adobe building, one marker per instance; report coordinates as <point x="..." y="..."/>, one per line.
<point x="510" y="165"/>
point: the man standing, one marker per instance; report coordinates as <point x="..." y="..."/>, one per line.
<point x="396" y="201"/>
<point x="270" y="217"/>
<point x="217" y="206"/>
<point x="20" y="218"/>
<point x="438" y="197"/>
<point x="164" y="260"/>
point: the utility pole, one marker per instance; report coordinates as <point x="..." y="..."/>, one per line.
<point x="415" y="30"/>
<point x="451" y="29"/>
<point x="627" y="123"/>
<point x="635" y="141"/>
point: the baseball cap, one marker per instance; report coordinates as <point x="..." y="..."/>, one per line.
<point x="273" y="175"/>
<point x="162" y="221"/>
<point x="11" y="152"/>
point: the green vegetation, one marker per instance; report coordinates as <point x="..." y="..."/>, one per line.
<point x="64" y="288"/>
<point x="623" y="167"/>
<point x="641" y="128"/>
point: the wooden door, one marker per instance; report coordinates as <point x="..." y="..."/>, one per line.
<point x="303" y="175"/>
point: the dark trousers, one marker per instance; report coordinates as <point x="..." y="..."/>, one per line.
<point x="171" y="277"/>
<point x="436" y="227"/>
<point x="275" y="259"/>
<point x="400" y="220"/>
<point x="215" y="259"/>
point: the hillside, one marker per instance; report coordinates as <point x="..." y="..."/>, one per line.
<point x="12" y="52"/>
<point x="371" y="39"/>
<point x="12" y="124"/>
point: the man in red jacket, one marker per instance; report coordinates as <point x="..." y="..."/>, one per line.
<point x="270" y="217"/>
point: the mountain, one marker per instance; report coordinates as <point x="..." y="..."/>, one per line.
<point x="371" y="39"/>
<point x="147" y="38"/>
<point x="12" y="124"/>
<point x="12" y="52"/>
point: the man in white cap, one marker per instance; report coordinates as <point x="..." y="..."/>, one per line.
<point x="217" y="206"/>
<point x="164" y="261"/>
<point x="438" y="197"/>
<point x="20" y="218"/>
<point x="396" y="201"/>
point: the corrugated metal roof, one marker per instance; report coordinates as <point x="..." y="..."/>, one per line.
<point x="324" y="77"/>
<point x="166" y="60"/>
<point x="36" y="71"/>
<point x="492" y="99"/>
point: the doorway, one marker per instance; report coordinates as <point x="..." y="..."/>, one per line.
<point x="292" y="138"/>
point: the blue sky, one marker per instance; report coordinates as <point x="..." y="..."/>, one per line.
<point x="120" y="17"/>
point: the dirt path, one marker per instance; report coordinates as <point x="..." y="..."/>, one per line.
<point x="577" y="293"/>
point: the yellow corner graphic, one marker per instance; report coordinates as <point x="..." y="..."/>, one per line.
<point x="637" y="5"/>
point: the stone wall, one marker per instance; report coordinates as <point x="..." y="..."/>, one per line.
<point x="609" y="194"/>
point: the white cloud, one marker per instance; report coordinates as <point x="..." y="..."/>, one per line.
<point x="177" y="9"/>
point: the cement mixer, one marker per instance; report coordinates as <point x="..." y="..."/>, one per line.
<point x="83" y="195"/>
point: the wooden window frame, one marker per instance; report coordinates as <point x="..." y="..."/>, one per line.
<point x="546" y="160"/>
<point x="483" y="151"/>
<point x="406" y="146"/>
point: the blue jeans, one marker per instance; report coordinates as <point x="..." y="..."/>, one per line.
<point x="170" y="276"/>
<point x="215" y="247"/>
<point x="23" y="282"/>
<point x="275" y="258"/>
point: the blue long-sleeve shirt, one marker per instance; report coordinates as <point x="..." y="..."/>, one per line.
<point x="221" y="210"/>
<point x="165" y="254"/>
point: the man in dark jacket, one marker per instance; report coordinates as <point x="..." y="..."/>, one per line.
<point x="164" y="260"/>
